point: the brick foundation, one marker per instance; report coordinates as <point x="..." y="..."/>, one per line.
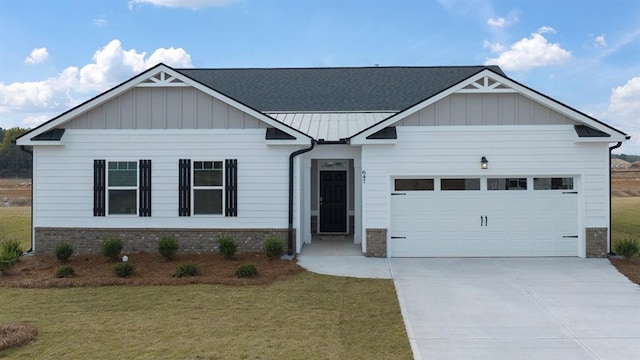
<point x="87" y="241"/>
<point x="376" y="243"/>
<point x="596" y="241"/>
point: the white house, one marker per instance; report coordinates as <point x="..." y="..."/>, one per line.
<point x="406" y="161"/>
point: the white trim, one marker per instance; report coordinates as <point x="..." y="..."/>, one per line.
<point x="141" y="79"/>
<point x="522" y="90"/>
<point x="221" y="188"/>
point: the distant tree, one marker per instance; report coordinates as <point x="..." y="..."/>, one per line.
<point x="1" y="133"/>
<point x="627" y="158"/>
<point x="13" y="161"/>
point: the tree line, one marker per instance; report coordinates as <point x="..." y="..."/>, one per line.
<point x="14" y="162"/>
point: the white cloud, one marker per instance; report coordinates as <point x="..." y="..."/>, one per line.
<point x="546" y="29"/>
<point x="624" y="111"/>
<point x="38" y="56"/>
<point x="494" y="47"/>
<point x="190" y="4"/>
<point x="600" y="41"/>
<point x="23" y="103"/>
<point x="531" y="52"/>
<point x="100" y="22"/>
<point x="497" y="22"/>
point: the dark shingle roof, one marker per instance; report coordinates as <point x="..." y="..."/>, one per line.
<point x="333" y="89"/>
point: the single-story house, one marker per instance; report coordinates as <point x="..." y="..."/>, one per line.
<point x="447" y="161"/>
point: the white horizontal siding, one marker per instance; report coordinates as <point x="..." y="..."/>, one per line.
<point x="511" y="150"/>
<point x="64" y="183"/>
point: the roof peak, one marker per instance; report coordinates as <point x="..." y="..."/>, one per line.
<point x="345" y="67"/>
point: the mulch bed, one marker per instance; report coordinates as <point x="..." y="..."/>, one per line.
<point x="628" y="267"/>
<point x="39" y="271"/>
<point x="16" y="335"/>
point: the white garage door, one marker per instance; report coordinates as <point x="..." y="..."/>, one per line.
<point x="518" y="216"/>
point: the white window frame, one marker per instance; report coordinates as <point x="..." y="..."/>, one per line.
<point x="195" y="187"/>
<point x="115" y="188"/>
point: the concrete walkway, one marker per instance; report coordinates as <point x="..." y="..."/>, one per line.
<point x="530" y="308"/>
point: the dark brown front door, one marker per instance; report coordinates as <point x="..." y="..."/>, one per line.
<point x="333" y="201"/>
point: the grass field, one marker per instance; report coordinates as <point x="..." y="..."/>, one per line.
<point x="307" y="316"/>
<point x="625" y="218"/>
<point x="15" y="224"/>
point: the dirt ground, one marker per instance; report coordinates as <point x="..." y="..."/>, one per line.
<point x="625" y="182"/>
<point x="15" y="192"/>
<point x="39" y="271"/>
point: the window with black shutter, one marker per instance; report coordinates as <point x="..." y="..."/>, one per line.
<point x="184" y="187"/>
<point x="145" y="188"/>
<point x="207" y="187"/>
<point x="99" y="188"/>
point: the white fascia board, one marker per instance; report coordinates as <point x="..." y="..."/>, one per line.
<point x="28" y="142"/>
<point x="139" y="80"/>
<point x="616" y="135"/>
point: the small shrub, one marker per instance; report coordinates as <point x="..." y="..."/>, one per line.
<point x="111" y="248"/>
<point x="168" y="247"/>
<point x="65" y="271"/>
<point x="273" y="247"/>
<point x="187" y="269"/>
<point x="123" y="269"/>
<point x="10" y="252"/>
<point x="63" y="252"/>
<point x="227" y="246"/>
<point x="627" y="247"/>
<point x="247" y="271"/>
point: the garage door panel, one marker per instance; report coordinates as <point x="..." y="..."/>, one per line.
<point x="484" y="223"/>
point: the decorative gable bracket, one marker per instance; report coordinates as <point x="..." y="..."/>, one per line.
<point x="162" y="79"/>
<point x="485" y="85"/>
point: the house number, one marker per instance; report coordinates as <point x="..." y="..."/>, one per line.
<point x="364" y="176"/>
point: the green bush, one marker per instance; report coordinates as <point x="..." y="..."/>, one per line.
<point x="227" y="246"/>
<point x="247" y="271"/>
<point x="123" y="269"/>
<point x="10" y="252"/>
<point x="187" y="269"/>
<point x="168" y="247"/>
<point x="273" y="247"/>
<point x="63" y="252"/>
<point x="65" y="271"/>
<point x="111" y="248"/>
<point x="627" y="247"/>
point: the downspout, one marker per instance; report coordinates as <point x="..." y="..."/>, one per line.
<point x="611" y="253"/>
<point x="290" y="229"/>
<point x="30" y="152"/>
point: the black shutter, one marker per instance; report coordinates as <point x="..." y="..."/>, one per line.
<point x="231" y="187"/>
<point x="145" y="187"/>
<point x="184" y="187"/>
<point x="99" y="187"/>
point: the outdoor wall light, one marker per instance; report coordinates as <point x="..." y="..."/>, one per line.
<point x="484" y="163"/>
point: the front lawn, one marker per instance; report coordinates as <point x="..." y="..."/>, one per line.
<point x="305" y="316"/>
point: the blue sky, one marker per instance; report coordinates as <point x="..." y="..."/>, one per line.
<point x="584" y="53"/>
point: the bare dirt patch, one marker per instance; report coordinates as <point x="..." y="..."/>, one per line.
<point x="625" y="182"/>
<point x="629" y="268"/>
<point x="39" y="271"/>
<point x="15" y="192"/>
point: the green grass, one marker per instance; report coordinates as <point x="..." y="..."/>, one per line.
<point x="625" y="218"/>
<point x="15" y="224"/>
<point x="308" y="316"/>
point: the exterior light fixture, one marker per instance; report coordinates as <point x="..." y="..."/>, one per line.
<point x="484" y="163"/>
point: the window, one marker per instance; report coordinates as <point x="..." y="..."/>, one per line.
<point x="200" y="188"/>
<point x="207" y="187"/>
<point x="122" y="187"/>
<point x="507" y="184"/>
<point x="460" y="184"/>
<point x="413" y="184"/>
<point x="553" y="183"/>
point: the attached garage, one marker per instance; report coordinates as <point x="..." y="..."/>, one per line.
<point x="475" y="216"/>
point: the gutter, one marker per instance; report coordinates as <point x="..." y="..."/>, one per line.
<point x="611" y="253"/>
<point x="290" y="229"/>
<point x="30" y="152"/>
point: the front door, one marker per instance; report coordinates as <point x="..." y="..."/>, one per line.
<point x="333" y="201"/>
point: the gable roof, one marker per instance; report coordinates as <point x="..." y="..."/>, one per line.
<point x="342" y="89"/>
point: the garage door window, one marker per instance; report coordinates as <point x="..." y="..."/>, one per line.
<point x="555" y="183"/>
<point x="460" y="184"/>
<point x="413" y="184"/>
<point x="507" y="184"/>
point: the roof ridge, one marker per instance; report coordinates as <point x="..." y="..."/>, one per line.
<point x="343" y="67"/>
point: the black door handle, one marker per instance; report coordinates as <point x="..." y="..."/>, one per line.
<point x="486" y="221"/>
<point x="481" y="221"/>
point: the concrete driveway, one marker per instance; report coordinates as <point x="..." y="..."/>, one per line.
<point x="533" y="308"/>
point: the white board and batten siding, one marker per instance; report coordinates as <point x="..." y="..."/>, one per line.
<point x="512" y="150"/>
<point x="64" y="186"/>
